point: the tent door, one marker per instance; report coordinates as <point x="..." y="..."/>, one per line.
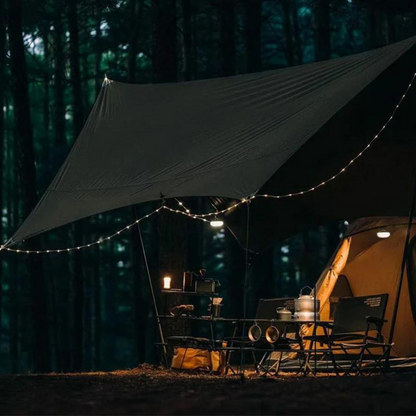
<point x="341" y="289"/>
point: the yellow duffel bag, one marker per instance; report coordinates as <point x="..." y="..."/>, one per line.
<point x="198" y="359"/>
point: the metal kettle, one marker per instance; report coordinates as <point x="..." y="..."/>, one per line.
<point x="307" y="303"/>
<point x="283" y="314"/>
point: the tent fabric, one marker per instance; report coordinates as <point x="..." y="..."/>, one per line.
<point x="329" y="278"/>
<point x="373" y="267"/>
<point x="378" y="184"/>
<point x="223" y="137"/>
<point x="375" y="223"/>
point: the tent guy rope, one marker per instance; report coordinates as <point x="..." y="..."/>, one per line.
<point x="202" y="217"/>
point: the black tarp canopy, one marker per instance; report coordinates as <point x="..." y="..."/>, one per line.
<point x="276" y="131"/>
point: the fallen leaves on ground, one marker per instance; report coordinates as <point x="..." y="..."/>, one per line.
<point x="153" y="390"/>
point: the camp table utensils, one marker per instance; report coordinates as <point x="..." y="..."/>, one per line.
<point x="306" y="303"/>
<point x="283" y="314"/>
<point x="272" y="334"/>
<point x="254" y="333"/>
<point x="215" y="307"/>
<point x="306" y="306"/>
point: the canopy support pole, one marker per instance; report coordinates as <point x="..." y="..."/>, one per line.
<point x="162" y="338"/>
<point x="245" y="283"/>
<point x="246" y="261"/>
<point x="403" y="266"/>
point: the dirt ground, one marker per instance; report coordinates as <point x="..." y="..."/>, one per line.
<point x="153" y="391"/>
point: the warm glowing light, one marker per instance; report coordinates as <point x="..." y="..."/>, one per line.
<point x="166" y="282"/>
<point x="216" y="223"/>
<point x="383" y="234"/>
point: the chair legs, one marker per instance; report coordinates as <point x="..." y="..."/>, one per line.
<point x="384" y="367"/>
<point x="381" y="362"/>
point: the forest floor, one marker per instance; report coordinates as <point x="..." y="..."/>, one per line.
<point x="153" y="391"/>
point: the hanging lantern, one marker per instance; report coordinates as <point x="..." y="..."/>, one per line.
<point x="383" y="233"/>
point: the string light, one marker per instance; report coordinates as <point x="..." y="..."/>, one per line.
<point x="326" y="181"/>
<point x="202" y="217"/>
<point x="69" y="249"/>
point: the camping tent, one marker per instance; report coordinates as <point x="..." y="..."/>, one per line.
<point x="372" y="266"/>
<point x="275" y="131"/>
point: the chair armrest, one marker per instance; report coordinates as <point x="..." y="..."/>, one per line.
<point x="376" y="321"/>
<point x="325" y="324"/>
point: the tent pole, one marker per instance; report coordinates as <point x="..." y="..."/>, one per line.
<point x="162" y="338"/>
<point x="403" y="267"/>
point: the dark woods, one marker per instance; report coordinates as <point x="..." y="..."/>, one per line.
<point x="91" y="310"/>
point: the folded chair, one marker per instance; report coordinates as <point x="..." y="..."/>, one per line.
<point x="357" y="326"/>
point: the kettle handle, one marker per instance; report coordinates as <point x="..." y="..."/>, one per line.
<point x="304" y="287"/>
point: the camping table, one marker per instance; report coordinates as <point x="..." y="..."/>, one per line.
<point x="167" y="292"/>
<point x="298" y="338"/>
<point x="306" y="366"/>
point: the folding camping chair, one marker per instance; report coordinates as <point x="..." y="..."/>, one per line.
<point x="353" y="328"/>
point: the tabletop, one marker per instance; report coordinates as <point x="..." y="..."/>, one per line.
<point x="248" y="320"/>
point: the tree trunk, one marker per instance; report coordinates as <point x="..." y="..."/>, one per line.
<point x="13" y="199"/>
<point x="287" y="25"/>
<point x="24" y="136"/>
<point x="322" y="30"/>
<point x="173" y="249"/>
<point x="234" y="261"/>
<point x="110" y="311"/>
<point x="172" y="231"/>
<point x="332" y="239"/>
<point x="46" y="110"/>
<point x="371" y="32"/>
<point x="296" y="33"/>
<point x="136" y="14"/>
<point x="54" y="315"/>
<point x="140" y="306"/>
<point x="97" y="320"/>
<point x="227" y="38"/>
<point x="187" y="50"/>
<point x="391" y="27"/>
<point x="78" y="112"/>
<point x="165" y="60"/>
<point x="263" y="285"/>
<point x="59" y="77"/>
<point x="77" y="307"/>
<point x="2" y="147"/>
<point x="14" y="319"/>
<point x="88" y="317"/>
<point x="253" y="35"/>
<point x="98" y="54"/>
